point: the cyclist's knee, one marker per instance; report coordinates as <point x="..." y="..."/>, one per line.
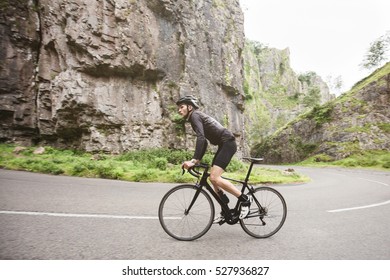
<point x="214" y="179"/>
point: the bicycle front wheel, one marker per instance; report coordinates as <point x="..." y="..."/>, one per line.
<point x="178" y="220"/>
<point x="267" y="214"/>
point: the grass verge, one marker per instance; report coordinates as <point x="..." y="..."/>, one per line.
<point x="368" y="159"/>
<point x="155" y="165"/>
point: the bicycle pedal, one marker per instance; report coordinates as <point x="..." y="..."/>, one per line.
<point x="221" y="222"/>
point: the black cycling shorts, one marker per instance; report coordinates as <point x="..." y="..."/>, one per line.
<point x="224" y="154"/>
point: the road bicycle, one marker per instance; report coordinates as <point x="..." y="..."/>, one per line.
<point x="186" y="212"/>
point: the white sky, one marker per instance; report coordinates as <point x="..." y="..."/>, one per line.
<point x="329" y="37"/>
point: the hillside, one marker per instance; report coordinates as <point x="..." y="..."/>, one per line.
<point x="356" y="122"/>
<point x="274" y="93"/>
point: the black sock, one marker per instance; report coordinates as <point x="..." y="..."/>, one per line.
<point x="223" y="196"/>
<point x="243" y="197"/>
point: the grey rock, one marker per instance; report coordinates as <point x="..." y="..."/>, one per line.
<point x="104" y="75"/>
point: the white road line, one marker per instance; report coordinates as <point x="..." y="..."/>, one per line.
<point x="365" y="206"/>
<point x="375" y="181"/>
<point x="359" y="207"/>
<point x="82" y="215"/>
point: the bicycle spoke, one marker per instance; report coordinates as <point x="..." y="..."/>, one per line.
<point x="265" y="221"/>
<point x="180" y="223"/>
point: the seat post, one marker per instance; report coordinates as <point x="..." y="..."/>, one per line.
<point x="249" y="172"/>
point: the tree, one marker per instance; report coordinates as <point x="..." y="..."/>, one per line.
<point x="377" y="52"/>
<point x="313" y="98"/>
<point x="335" y="84"/>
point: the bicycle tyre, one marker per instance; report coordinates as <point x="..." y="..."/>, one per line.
<point x="265" y="223"/>
<point x="178" y="224"/>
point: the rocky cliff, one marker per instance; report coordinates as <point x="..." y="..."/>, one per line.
<point x="104" y="75"/>
<point x="275" y="94"/>
<point x="355" y="122"/>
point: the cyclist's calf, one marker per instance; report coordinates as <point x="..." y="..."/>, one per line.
<point x="219" y="182"/>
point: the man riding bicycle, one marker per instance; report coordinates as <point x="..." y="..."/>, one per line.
<point x="207" y="128"/>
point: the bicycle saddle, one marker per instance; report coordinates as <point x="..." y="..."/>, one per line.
<point x="254" y="160"/>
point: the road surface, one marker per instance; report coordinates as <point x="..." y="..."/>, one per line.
<point x="340" y="214"/>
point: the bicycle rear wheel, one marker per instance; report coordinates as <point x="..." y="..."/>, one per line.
<point x="180" y="223"/>
<point x="267" y="214"/>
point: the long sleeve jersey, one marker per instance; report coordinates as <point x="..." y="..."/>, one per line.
<point x="207" y="128"/>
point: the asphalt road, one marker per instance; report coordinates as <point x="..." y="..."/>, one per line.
<point x="340" y="214"/>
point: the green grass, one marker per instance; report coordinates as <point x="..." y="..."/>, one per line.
<point x="261" y="175"/>
<point x="155" y="165"/>
<point x="367" y="159"/>
<point x="375" y="76"/>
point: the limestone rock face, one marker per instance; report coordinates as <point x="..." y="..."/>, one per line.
<point x="355" y="122"/>
<point x="275" y="93"/>
<point x="19" y="54"/>
<point x="104" y="75"/>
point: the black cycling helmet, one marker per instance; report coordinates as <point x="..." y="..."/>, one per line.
<point x="189" y="100"/>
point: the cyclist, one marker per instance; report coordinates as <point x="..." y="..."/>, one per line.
<point x="207" y="128"/>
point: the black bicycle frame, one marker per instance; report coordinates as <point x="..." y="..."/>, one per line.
<point x="229" y="215"/>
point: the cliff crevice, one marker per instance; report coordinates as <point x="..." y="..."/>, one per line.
<point x="104" y="75"/>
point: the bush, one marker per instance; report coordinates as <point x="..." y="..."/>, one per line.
<point x="144" y="176"/>
<point x="349" y="162"/>
<point x="108" y="171"/>
<point x="78" y="169"/>
<point x="234" y="165"/>
<point x="323" y="158"/>
<point x="368" y="162"/>
<point x="321" y="114"/>
<point x="155" y="155"/>
<point x="38" y="165"/>
<point x="386" y="164"/>
<point x="159" y="163"/>
<point x="178" y="156"/>
<point x="145" y="156"/>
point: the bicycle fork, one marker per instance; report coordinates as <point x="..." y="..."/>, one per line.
<point x="187" y="211"/>
<point x="223" y="205"/>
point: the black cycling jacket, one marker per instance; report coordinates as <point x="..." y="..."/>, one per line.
<point x="208" y="128"/>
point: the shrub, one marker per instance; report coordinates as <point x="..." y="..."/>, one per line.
<point x="145" y="156"/>
<point x="159" y="163"/>
<point x="349" y="162"/>
<point x="234" y="165"/>
<point x="108" y="171"/>
<point x="178" y="156"/>
<point x="37" y="165"/>
<point x="321" y="114"/>
<point x="368" y="162"/>
<point x="143" y="175"/>
<point x="78" y="169"/>
<point x="323" y="158"/>
<point x="386" y="163"/>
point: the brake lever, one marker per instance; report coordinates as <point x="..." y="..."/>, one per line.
<point x="193" y="172"/>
